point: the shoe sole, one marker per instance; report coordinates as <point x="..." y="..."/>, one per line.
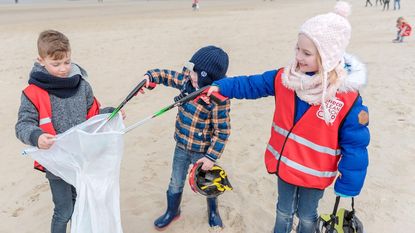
<point x="164" y="228"/>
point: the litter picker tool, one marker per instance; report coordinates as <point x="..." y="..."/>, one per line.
<point x="128" y="98"/>
<point x="195" y="96"/>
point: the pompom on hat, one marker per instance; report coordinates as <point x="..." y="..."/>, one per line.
<point x="330" y="33"/>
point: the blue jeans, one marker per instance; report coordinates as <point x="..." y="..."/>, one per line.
<point x="181" y="161"/>
<point x="64" y="196"/>
<point x="300" y="201"/>
<point x="397" y="4"/>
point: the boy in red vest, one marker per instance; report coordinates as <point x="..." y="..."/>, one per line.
<point x="320" y="127"/>
<point x="58" y="97"/>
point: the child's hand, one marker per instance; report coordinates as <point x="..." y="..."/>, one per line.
<point x="149" y="85"/>
<point x="45" y="141"/>
<point x="207" y="163"/>
<point x="147" y="80"/>
<point x="209" y="92"/>
<point x="123" y="114"/>
<point x="146" y="85"/>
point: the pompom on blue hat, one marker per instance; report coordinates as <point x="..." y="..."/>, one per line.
<point x="210" y="63"/>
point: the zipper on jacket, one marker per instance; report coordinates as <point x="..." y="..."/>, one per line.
<point x="289" y="132"/>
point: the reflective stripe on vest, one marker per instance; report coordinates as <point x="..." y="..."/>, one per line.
<point x="300" y="167"/>
<point x="305" y="153"/>
<point x="41" y="100"/>
<point x="305" y="142"/>
<point x="45" y="121"/>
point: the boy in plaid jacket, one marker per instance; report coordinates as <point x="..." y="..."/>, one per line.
<point x="202" y="130"/>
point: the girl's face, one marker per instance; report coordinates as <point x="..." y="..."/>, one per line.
<point x="57" y="67"/>
<point x="306" y="55"/>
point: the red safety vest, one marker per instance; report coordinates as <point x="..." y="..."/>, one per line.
<point x="41" y="100"/>
<point x="305" y="153"/>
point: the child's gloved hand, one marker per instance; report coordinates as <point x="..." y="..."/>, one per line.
<point x="45" y="141"/>
<point x="207" y="163"/>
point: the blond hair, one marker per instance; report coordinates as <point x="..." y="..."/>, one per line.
<point x="53" y="44"/>
<point x="332" y="75"/>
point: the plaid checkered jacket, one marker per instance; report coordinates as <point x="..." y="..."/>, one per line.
<point x="199" y="127"/>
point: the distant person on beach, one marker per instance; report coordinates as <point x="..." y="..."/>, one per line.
<point x="57" y="98"/>
<point x="396" y="4"/>
<point x="380" y="1"/>
<point x="404" y="29"/>
<point x="195" y="5"/>
<point x="386" y="4"/>
<point x="16" y="1"/>
<point x="319" y="132"/>
<point x="368" y="2"/>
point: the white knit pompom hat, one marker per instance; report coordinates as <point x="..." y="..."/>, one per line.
<point x="330" y="33"/>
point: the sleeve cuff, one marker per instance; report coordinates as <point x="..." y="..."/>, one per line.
<point x="151" y="79"/>
<point x="34" y="137"/>
<point x="211" y="158"/>
<point x="342" y="195"/>
<point x="106" y="110"/>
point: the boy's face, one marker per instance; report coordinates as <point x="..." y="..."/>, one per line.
<point x="57" y="67"/>
<point x="306" y="54"/>
<point x="193" y="79"/>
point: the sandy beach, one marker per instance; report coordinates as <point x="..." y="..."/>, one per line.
<point x="117" y="41"/>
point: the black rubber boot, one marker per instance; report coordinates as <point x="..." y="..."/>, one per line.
<point x="213" y="213"/>
<point x="172" y="212"/>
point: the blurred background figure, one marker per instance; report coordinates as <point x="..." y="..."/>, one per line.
<point x="380" y="1"/>
<point x="368" y="2"/>
<point x="195" y="5"/>
<point x="396" y="4"/>
<point x="386" y="3"/>
<point x="404" y="29"/>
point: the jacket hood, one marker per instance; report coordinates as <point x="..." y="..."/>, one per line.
<point x="356" y="78"/>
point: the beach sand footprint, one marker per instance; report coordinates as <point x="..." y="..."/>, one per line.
<point x="29" y="198"/>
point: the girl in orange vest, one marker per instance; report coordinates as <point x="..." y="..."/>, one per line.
<point x="57" y="98"/>
<point x="320" y="126"/>
<point x="404" y="29"/>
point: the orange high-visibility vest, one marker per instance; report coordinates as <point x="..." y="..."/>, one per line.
<point x="41" y="100"/>
<point x="306" y="153"/>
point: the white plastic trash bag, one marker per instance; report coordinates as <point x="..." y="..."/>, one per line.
<point x="91" y="163"/>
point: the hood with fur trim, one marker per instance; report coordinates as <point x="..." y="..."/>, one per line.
<point x="356" y="77"/>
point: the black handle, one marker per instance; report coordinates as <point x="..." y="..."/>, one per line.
<point x="135" y="90"/>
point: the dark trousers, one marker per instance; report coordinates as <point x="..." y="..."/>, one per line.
<point x="64" y="196"/>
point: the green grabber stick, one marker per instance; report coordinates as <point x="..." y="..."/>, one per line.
<point x="128" y="98"/>
<point x="216" y="97"/>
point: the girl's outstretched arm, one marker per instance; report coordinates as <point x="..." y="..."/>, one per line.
<point x="248" y="87"/>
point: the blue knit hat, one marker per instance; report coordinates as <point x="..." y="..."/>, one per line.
<point x="211" y="64"/>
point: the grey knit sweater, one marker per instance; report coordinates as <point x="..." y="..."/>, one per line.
<point x="66" y="113"/>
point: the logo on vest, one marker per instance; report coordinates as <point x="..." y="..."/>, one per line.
<point x="333" y="106"/>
